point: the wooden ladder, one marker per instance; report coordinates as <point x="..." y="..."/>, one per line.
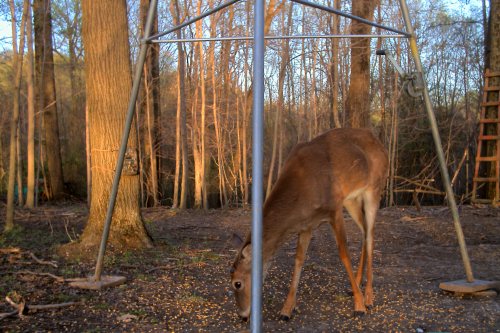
<point x="491" y="100"/>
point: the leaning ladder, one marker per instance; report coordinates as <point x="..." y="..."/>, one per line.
<point x="489" y="131"/>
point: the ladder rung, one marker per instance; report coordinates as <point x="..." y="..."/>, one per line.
<point x="491" y="88"/>
<point x="489" y="137"/>
<point x="486" y="159"/>
<point x="490" y="103"/>
<point x="486" y="179"/>
<point x="489" y="120"/>
<point x="491" y="73"/>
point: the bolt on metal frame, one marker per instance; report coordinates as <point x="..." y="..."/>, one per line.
<point x="258" y="124"/>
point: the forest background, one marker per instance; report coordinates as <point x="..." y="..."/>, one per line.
<point x="194" y="111"/>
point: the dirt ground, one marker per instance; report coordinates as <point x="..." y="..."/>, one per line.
<point x="182" y="284"/>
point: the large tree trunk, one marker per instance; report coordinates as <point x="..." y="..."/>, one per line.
<point x="108" y="85"/>
<point x="47" y="95"/>
<point x="358" y="98"/>
<point x="30" y="72"/>
<point x="149" y="112"/>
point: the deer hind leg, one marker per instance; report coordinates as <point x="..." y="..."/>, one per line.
<point x="302" y="245"/>
<point x="337" y="223"/>
<point x="371" y="201"/>
<point x="354" y="207"/>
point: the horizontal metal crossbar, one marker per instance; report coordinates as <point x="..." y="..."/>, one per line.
<point x="155" y="38"/>
<point x="240" y="38"/>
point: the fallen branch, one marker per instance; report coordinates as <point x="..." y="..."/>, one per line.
<point x="15" y="254"/>
<point x="52" y="306"/>
<point x="7" y="314"/>
<point x="154" y="269"/>
<point x="42" y="262"/>
<point x="22" y="308"/>
<point x="55" y="277"/>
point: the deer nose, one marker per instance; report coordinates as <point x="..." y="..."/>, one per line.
<point x="245" y="319"/>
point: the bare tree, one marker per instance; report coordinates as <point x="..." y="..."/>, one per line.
<point x="181" y="160"/>
<point x="30" y="72"/>
<point x="108" y="85"/>
<point x="14" y="123"/>
<point x="150" y="111"/>
<point x="44" y="60"/>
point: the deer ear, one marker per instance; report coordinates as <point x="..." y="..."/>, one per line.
<point x="246" y="252"/>
<point x="237" y="240"/>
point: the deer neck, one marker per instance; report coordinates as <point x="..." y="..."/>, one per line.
<point x="275" y="231"/>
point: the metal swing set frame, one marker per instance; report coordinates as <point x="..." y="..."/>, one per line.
<point x="98" y="281"/>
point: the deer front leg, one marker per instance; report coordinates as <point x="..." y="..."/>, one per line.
<point x="302" y="245"/>
<point x="337" y="223"/>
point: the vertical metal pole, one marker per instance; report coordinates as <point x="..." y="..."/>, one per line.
<point x="257" y="158"/>
<point x="437" y="141"/>
<point x="125" y="135"/>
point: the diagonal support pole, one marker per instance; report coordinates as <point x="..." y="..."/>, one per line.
<point x="125" y="136"/>
<point x="350" y="16"/>
<point x="191" y="21"/>
<point x="437" y="141"/>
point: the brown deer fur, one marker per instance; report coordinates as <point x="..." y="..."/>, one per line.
<point x="340" y="168"/>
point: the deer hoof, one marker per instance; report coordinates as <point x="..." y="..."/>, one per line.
<point x="359" y="314"/>
<point x="284" y="317"/>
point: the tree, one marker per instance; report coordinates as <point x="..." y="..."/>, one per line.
<point x="30" y="70"/>
<point x="108" y="85"/>
<point x="358" y="98"/>
<point x="199" y="135"/>
<point x="44" y="61"/>
<point x="149" y="112"/>
<point x="181" y="167"/>
<point x="66" y="20"/>
<point x="14" y="123"/>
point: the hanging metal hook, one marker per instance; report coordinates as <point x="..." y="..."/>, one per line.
<point x="412" y="82"/>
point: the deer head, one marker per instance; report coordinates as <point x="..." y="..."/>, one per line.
<point x="241" y="281"/>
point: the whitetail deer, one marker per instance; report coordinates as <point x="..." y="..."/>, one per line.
<point x="340" y="168"/>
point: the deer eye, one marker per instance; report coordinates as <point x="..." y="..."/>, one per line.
<point x="237" y="285"/>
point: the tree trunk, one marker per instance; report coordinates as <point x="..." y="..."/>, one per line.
<point x="108" y="85"/>
<point x="217" y="126"/>
<point x="200" y="198"/>
<point x="19" y="169"/>
<point x="181" y="132"/>
<point x="272" y="9"/>
<point x="30" y="72"/>
<point x="334" y="69"/>
<point x="150" y="110"/>
<point x="47" y="95"/>
<point x="358" y="99"/>
<point x="14" y="123"/>
<point x="285" y="58"/>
